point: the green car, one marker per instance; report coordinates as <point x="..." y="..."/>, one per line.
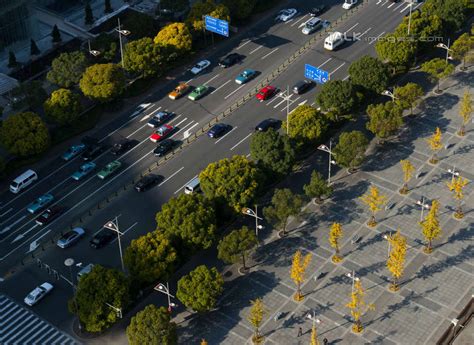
<point x="109" y="169"/>
<point x="198" y="92"/>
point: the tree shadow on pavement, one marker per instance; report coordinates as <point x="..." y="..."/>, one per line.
<point x="464" y="234"/>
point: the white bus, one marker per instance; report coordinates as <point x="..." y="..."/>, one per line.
<point x="333" y="41"/>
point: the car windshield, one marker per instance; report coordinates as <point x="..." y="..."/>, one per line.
<point x="31" y="296"/>
<point x="14" y="184"/>
<point x="69" y="235"/>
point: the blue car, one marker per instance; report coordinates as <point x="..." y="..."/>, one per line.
<point x="245" y="76"/>
<point x="84" y="170"/>
<point x="40" y="203"/>
<point x="73" y="151"/>
<point x="218" y="130"/>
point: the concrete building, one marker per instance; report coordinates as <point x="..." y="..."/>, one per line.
<point x="17" y="22"/>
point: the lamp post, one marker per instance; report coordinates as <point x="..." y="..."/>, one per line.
<point x="249" y="212"/>
<point x="117" y="310"/>
<point x="324" y="148"/>
<point x="453" y="173"/>
<point x="68" y="263"/>
<point x="409" y="20"/>
<point x="92" y="51"/>
<point x="287" y="109"/>
<point x="387" y="237"/>
<point x="389" y="94"/>
<point x="423" y="206"/>
<point x="166" y="290"/>
<point x="446" y="47"/>
<point x="113" y="225"/>
<point x="312" y="317"/>
<point x="124" y="33"/>
<point x="354" y="279"/>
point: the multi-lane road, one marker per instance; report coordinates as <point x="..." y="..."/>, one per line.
<point x="265" y="47"/>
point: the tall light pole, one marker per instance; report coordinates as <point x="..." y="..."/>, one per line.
<point x="124" y="33"/>
<point x="68" y="263"/>
<point x="249" y="212"/>
<point x="446" y="47"/>
<point x="354" y="279"/>
<point x="312" y="317"/>
<point x="117" y="310"/>
<point x="287" y="109"/>
<point x="113" y="225"/>
<point x="92" y="51"/>
<point x="387" y="237"/>
<point x="423" y="206"/>
<point x="166" y="290"/>
<point x="389" y="94"/>
<point x="409" y="20"/>
<point x="324" y="148"/>
<point x="453" y="173"/>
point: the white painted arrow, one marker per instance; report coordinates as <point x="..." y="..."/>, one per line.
<point x="21" y="236"/>
<point x="8" y="228"/>
<point x="35" y="243"/>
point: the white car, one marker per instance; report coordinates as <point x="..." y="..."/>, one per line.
<point x="286" y="15"/>
<point x="200" y="66"/>
<point x="348" y="4"/>
<point x="38" y="293"/>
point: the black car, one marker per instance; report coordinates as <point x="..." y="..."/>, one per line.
<point x="230" y="60"/>
<point x="92" y="152"/>
<point x="122" y="146"/>
<point x="316" y="11"/>
<point x="268" y="123"/>
<point x="48" y="215"/>
<point x="218" y="130"/>
<point x="102" y="238"/>
<point x="301" y="86"/>
<point x="163" y="147"/>
<point x="146" y="182"/>
<point x="159" y="118"/>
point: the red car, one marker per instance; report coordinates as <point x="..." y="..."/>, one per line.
<point x="266" y="93"/>
<point x="161" y="133"/>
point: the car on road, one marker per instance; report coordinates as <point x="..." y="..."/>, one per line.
<point x="140" y="109"/>
<point x="84" y="170"/>
<point x="317" y="10"/>
<point x="312" y="25"/>
<point x="121" y="147"/>
<point x="84" y="270"/>
<point x="161" y="133"/>
<point x="146" y="182"/>
<point x="49" y="215"/>
<point x="109" y="169"/>
<point x="164" y="147"/>
<point x="245" y="76"/>
<point x="102" y="238"/>
<point x="40" y="203"/>
<point x="218" y="130"/>
<point x="268" y="123"/>
<point x="159" y="118"/>
<point x="286" y="14"/>
<point x="302" y="86"/>
<point x="230" y="60"/>
<point x="38" y="294"/>
<point x="348" y="4"/>
<point x="200" y="66"/>
<point x="266" y="92"/>
<point x="179" y="91"/>
<point x="198" y="92"/>
<point x="70" y="237"/>
<point x="73" y="151"/>
<point x="92" y="151"/>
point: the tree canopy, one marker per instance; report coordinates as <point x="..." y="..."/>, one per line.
<point x="317" y="186"/>
<point x="407" y="96"/>
<point x="370" y="73"/>
<point x="67" y="68"/>
<point x="240" y="9"/>
<point x="103" y="82"/>
<point x="31" y="94"/>
<point x="235" y="246"/>
<point x="350" y="150"/>
<point x="306" y="124"/>
<point x="284" y="204"/>
<point x="144" y="57"/>
<point x="437" y="69"/>
<point x="152" y="325"/>
<point x="385" y="119"/>
<point x="177" y="36"/>
<point x="201" y="8"/>
<point x="337" y="97"/>
<point x="395" y="50"/>
<point x="63" y="106"/>
<point x="461" y="48"/>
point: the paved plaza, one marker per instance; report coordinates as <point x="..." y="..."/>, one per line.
<point x="435" y="288"/>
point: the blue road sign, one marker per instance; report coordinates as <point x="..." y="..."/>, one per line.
<point x="218" y="26"/>
<point x="318" y="75"/>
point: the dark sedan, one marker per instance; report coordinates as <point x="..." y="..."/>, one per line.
<point x="218" y="130"/>
<point x="164" y="147"/>
<point x="102" y="238"/>
<point x="316" y="11"/>
<point x="146" y="182"/>
<point x="48" y="216"/>
<point x="121" y="147"/>
<point x="230" y="60"/>
<point x="159" y="118"/>
<point x="268" y="123"/>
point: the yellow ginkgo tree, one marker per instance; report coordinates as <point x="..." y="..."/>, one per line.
<point x="255" y="317"/>
<point x="358" y="306"/>
<point x="334" y="235"/>
<point x="465" y="112"/>
<point x="396" y="259"/>
<point x="298" y="270"/>
<point x="374" y="200"/>
<point x="456" y="186"/>
<point x="408" y="170"/>
<point x="430" y="226"/>
<point x="314" y="335"/>
<point x="435" y="145"/>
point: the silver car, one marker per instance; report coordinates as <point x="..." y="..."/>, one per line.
<point x="311" y="25"/>
<point x="70" y="237"/>
<point x="38" y="294"/>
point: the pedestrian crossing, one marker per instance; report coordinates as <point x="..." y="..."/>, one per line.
<point x="20" y="326"/>
<point x="400" y="6"/>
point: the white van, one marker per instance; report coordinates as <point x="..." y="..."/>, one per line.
<point x="23" y="181"/>
<point x="333" y="41"/>
<point x="192" y="186"/>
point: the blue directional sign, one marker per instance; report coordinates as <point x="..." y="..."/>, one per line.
<point x="318" y="75"/>
<point x="218" y="26"/>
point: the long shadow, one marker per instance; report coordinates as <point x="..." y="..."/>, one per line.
<point x="463" y="235"/>
<point x="387" y="155"/>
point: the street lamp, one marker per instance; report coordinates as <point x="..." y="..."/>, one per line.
<point x="387" y="238"/>
<point x="446" y="47"/>
<point x="166" y="290"/>
<point x="113" y="225"/>
<point x="354" y="279"/>
<point x="249" y="212"/>
<point x="409" y="20"/>
<point x="389" y="94"/>
<point x="68" y="263"/>
<point x="423" y="206"/>
<point x="117" y="310"/>
<point x="287" y="109"/>
<point x="93" y="52"/>
<point x="324" y="148"/>
<point x="312" y="317"/>
<point x="124" y="33"/>
<point x="453" y="173"/>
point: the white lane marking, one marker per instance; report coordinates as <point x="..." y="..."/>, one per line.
<point x="284" y="99"/>
<point x="246" y="42"/>
<point x="190" y="80"/>
<point x="211" y="79"/>
<point x="378" y="2"/>
<point x="391" y="5"/>
<point x="171" y="176"/>
<point x="299" y="20"/>
<point x="337" y="68"/>
<point x="230" y="94"/>
<point x="346" y="77"/>
<point x="253" y="51"/>
<point x="225" y="135"/>
<point x="352" y="27"/>
<point x="406" y="8"/>
<point x="274" y="50"/>
<point x="180" y="122"/>
<point x="417" y="6"/>
<point x="366" y="31"/>
<point x="248" y="155"/>
<point x="184" y="185"/>
<point x="197" y="123"/>
<point x="123" y="233"/>
<point x="325" y="62"/>
<point x="227" y="82"/>
<point x="292" y="102"/>
<point x="240" y="142"/>
<point x="289" y="21"/>
<point x="4" y="213"/>
<point x="376" y="38"/>
<point x="143" y="107"/>
<point x="182" y="128"/>
<point x="147" y="116"/>
<point x="9" y="227"/>
<point x="396" y="8"/>
<point x="384" y="3"/>
<point x="174" y="119"/>
<point x="21" y="236"/>
<point x="272" y="100"/>
<point x="303" y="24"/>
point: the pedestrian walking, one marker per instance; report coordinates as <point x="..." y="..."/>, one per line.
<point x="300" y="332"/>
<point x="325" y="341"/>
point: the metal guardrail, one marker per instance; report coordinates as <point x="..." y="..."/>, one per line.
<point x="457" y="324"/>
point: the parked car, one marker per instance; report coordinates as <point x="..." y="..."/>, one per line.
<point x="302" y="86"/>
<point x="146" y="182"/>
<point x="159" y="118"/>
<point x="85" y="169"/>
<point x="38" y="294"/>
<point x="348" y="4"/>
<point x="312" y="25"/>
<point x="268" y="123"/>
<point x="161" y="133"/>
<point x="198" y="92"/>
<point x="73" y="151"/>
<point x="109" y="169"/>
<point x="40" y="203"/>
<point x="49" y="215"/>
<point x="70" y="237"/>
<point x="200" y="66"/>
<point x="164" y="147"/>
<point x="230" y="60"/>
<point x="92" y="151"/>
<point x="122" y="146"/>
<point x="102" y="238"/>
<point x="179" y="91"/>
<point x="245" y="76"/>
<point x="266" y="92"/>
<point x="286" y="14"/>
<point x="317" y="10"/>
<point x="84" y="270"/>
<point x="218" y="130"/>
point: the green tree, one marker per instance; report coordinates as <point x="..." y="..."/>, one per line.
<point x="88" y="16"/>
<point x="284" y="205"/>
<point x="102" y="82"/>
<point x="150" y="257"/>
<point x="144" y="57"/>
<point x="12" y="63"/>
<point x="395" y="50"/>
<point x="350" y="150"/>
<point x="306" y="124"/>
<point x="317" y="187"/>
<point x="236" y="245"/>
<point x="370" y="73"/>
<point x="240" y="9"/>
<point x="55" y="34"/>
<point x="273" y="152"/>
<point x="233" y="181"/>
<point x="152" y="325"/>
<point x="67" y="69"/>
<point x="34" y="50"/>
<point x="63" y="106"/>
<point x="107" y="46"/>
<point x="191" y="218"/>
<point x="337" y="98"/>
<point x="407" y="96"/>
<point x="385" y="119"/>
<point x="108" y="7"/>
<point x="437" y="69"/>
<point x="221" y="12"/>
<point x="462" y="48"/>
<point x="177" y="36"/>
<point x="200" y="289"/>
<point x="453" y="12"/>
<point x="198" y="10"/>
<point x="30" y="93"/>
<point x="24" y="134"/>
<point x="94" y="291"/>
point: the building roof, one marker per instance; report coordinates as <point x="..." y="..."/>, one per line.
<point x="7" y="83"/>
